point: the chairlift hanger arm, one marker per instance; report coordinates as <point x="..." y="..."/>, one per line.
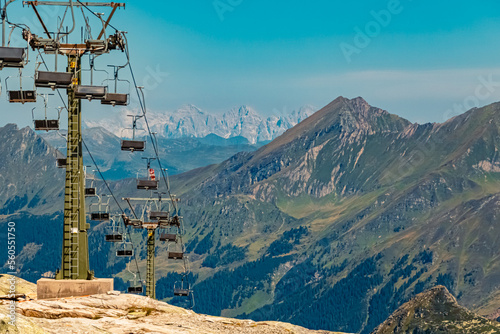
<point x="107" y="22"/>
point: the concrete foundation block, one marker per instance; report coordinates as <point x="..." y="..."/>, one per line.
<point x="50" y="288"/>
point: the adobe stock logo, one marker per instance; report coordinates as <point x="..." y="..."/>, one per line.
<point x="223" y="6"/>
<point x="372" y="29"/>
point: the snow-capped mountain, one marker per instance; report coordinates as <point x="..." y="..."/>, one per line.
<point x="190" y="121"/>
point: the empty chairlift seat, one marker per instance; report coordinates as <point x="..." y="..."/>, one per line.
<point x="147" y="184"/>
<point x="12" y="57"/>
<point x="61" y="163"/>
<point x="160" y="215"/>
<point x="133" y="145"/>
<point x="135" y="289"/>
<point x="99" y="216"/>
<point x="168" y="237"/>
<point x="114" y="237"/>
<point x="90" y="191"/>
<point x="90" y="92"/>
<point x="175" y="255"/>
<point x="46" y="124"/>
<point x="53" y="79"/>
<point x="22" y="96"/>
<point x="115" y="99"/>
<point x="181" y="292"/>
<point x="124" y="252"/>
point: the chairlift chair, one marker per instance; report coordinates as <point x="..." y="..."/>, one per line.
<point x="101" y="214"/>
<point x="12" y="57"/>
<point x="21" y="95"/>
<point x="169" y="237"/>
<point x="53" y="80"/>
<point x="135" y="286"/>
<point x="151" y="182"/>
<point x="61" y="163"/>
<point x="133" y="144"/>
<point x="125" y="250"/>
<point x="180" y="290"/>
<point x="175" y="251"/>
<point x="91" y="190"/>
<point x="46" y="124"/>
<point x="159" y="215"/>
<point x="175" y="255"/>
<point x="115" y="98"/>
<point x="135" y="289"/>
<point x="90" y="92"/>
<point x="114" y="236"/>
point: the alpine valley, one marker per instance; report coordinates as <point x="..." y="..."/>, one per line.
<point x="333" y="225"/>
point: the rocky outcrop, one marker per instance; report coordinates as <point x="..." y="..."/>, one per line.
<point x="124" y="313"/>
<point x="436" y="311"/>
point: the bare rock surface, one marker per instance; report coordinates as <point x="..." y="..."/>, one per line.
<point x="126" y="313"/>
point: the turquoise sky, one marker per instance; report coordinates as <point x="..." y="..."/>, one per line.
<point x="421" y="59"/>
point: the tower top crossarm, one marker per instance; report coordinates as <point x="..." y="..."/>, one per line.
<point x="52" y="44"/>
<point x="75" y="4"/>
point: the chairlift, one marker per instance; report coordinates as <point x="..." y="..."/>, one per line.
<point x="101" y="212"/>
<point x="46" y="124"/>
<point x="115" y="98"/>
<point x="90" y="190"/>
<point x="159" y="215"/>
<point x="151" y="182"/>
<point x="125" y="250"/>
<point x="175" y="251"/>
<point x="175" y="255"/>
<point x="12" y="57"/>
<point x="133" y="144"/>
<point x="53" y="80"/>
<point x="61" y="163"/>
<point x="114" y="236"/>
<point x="180" y="290"/>
<point x="91" y="92"/>
<point x="169" y="237"/>
<point x="21" y="95"/>
<point x="135" y="286"/>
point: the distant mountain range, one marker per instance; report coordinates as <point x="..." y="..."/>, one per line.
<point x="190" y="121"/>
<point x="178" y="154"/>
<point x="334" y="225"/>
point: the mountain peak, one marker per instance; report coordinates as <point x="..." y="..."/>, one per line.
<point x="189" y="109"/>
<point x="428" y="311"/>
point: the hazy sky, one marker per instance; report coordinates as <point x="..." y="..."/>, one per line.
<point x="421" y="59"/>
